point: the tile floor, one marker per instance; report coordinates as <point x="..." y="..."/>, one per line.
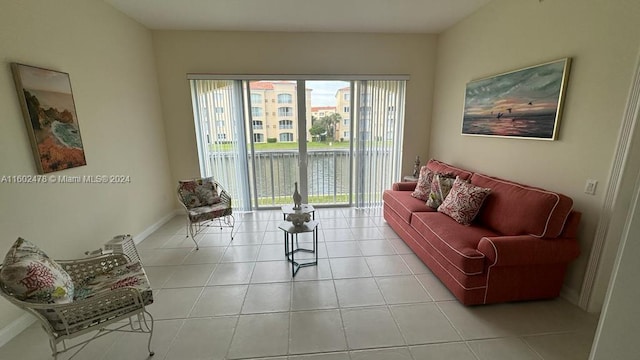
<point x="368" y="298"/>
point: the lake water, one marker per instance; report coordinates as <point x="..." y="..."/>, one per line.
<point x="328" y="175"/>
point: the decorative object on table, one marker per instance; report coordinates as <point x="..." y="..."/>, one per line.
<point x="297" y="198"/>
<point x="525" y="103"/>
<point x="49" y="112"/>
<point x="416" y="166"/>
<point x="299" y="218"/>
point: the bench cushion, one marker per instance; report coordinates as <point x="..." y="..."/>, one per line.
<point x="129" y="275"/>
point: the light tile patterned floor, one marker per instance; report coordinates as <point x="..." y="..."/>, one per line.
<point x="369" y="298"/>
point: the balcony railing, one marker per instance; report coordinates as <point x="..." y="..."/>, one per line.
<point x="276" y="171"/>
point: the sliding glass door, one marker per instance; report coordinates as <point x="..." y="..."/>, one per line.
<point x="378" y="144"/>
<point x="296" y="138"/>
<point x="277" y="138"/>
<point x="340" y="141"/>
<point x="220" y="129"/>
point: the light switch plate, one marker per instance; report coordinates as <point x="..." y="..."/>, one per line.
<point x="590" y="187"/>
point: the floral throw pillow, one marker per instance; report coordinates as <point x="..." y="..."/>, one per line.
<point x="423" y="187"/>
<point x="198" y="192"/>
<point x="440" y="187"/>
<point x="464" y="201"/>
<point x="32" y="276"/>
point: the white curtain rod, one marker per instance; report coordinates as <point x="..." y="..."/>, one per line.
<point x="205" y="76"/>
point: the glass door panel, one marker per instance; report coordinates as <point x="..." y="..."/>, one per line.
<point x="274" y="136"/>
<point x="329" y="149"/>
<point x="299" y="137"/>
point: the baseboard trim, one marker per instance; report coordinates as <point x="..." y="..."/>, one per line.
<point x="15" y="327"/>
<point x="148" y="231"/>
<point x="570" y="295"/>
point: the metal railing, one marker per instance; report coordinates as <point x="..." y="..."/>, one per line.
<point x="276" y="171"/>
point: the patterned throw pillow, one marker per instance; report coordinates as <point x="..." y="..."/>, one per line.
<point x="464" y="201"/>
<point x="199" y="192"/>
<point x="423" y="187"/>
<point x="31" y="276"/>
<point x="440" y="187"/>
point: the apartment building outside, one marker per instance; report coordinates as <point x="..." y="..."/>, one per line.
<point x="274" y="111"/>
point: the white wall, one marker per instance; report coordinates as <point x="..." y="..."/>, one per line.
<point x="111" y="64"/>
<point x="616" y="337"/>
<point x="602" y="38"/>
<point x="182" y="52"/>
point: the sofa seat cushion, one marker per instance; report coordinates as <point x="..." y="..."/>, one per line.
<point x="456" y="243"/>
<point x="402" y="203"/>
<point x="516" y="209"/>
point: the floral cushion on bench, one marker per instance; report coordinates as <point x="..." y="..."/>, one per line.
<point x="130" y="275"/>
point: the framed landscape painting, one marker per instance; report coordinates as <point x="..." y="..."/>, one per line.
<point x="50" y="115"/>
<point x="525" y="103"/>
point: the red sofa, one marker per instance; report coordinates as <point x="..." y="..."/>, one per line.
<point x="517" y="248"/>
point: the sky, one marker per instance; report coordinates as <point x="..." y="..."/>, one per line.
<point x="529" y="90"/>
<point x="42" y="79"/>
<point x="324" y="92"/>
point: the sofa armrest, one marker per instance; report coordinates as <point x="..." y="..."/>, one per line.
<point x="404" y="186"/>
<point x="527" y="250"/>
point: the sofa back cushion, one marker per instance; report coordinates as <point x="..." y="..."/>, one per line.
<point x="515" y="209"/>
<point x="443" y="168"/>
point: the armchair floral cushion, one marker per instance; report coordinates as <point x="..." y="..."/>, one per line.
<point x="32" y="276"/>
<point x="198" y="192"/>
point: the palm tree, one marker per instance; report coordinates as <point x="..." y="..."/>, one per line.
<point x="325" y="126"/>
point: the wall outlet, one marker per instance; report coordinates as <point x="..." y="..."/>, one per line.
<point x="590" y="187"/>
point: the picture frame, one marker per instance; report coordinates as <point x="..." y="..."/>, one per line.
<point x="525" y="103"/>
<point x="49" y="112"/>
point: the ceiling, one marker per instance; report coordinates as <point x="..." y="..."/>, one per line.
<point x="387" y="16"/>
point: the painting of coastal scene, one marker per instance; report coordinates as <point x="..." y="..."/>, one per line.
<point x="50" y="116"/>
<point x="526" y="103"/>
